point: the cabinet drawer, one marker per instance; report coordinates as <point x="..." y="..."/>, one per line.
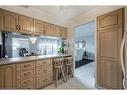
<point x="25" y="65"/>
<point x="41" y="71"/>
<point x="44" y="63"/>
<point x="25" y="83"/>
<point x="25" y="73"/>
<point x="44" y="80"/>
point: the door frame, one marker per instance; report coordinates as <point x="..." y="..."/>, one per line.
<point x="95" y="46"/>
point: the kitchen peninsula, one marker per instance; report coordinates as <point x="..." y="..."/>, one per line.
<point x="30" y="72"/>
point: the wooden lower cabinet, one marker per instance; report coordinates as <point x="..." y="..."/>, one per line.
<point x="7" y="77"/>
<point x="26" y="75"/>
<point x="44" y="80"/>
<point x="44" y="73"/>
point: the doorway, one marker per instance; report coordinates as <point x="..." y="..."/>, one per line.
<point x="85" y="54"/>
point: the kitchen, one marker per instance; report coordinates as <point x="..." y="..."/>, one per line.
<point x="19" y="45"/>
<point x="36" y="53"/>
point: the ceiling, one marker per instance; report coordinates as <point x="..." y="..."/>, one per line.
<point x="54" y="14"/>
<point x="63" y="13"/>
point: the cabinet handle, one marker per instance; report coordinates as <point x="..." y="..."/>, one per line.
<point x="17" y="27"/>
<point x="45" y="70"/>
<point x="44" y="62"/>
<point x="25" y="74"/>
<point x="25" y="82"/>
<point x="44" y="80"/>
<point x="25" y="66"/>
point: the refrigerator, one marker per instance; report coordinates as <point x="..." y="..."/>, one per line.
<point x="3" y="43"/>
<point x="0" y="45"/>
<point x="123" y="55"/>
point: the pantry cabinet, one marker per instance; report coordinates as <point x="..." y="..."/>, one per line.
<point x="109" y="38"/>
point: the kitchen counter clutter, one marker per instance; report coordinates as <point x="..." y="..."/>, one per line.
<point x="27" y="72"/>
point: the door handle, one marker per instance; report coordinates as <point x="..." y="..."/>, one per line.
<point x="122" y="59"/>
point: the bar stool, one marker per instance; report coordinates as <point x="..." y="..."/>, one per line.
<point x="58" y="69"/>
<point x="69" y="67"/>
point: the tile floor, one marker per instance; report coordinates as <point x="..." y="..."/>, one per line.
<point x="84" y="79"/>
<point x="86" y="75"/>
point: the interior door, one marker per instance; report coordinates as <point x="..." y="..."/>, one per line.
<point x="109" y="37"/>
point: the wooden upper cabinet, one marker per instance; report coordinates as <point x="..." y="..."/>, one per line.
<point x="110" y="20"/>
<point x="26" y="25"/>
<point x="13" y="22"/>
<point x="57" y="31"/>
<point x="63" y="33"/>
<point x="38" y="27"/>
<point x="8" y="21"/>
<point x="7" y="77"/>
<point x="48" y="30"/>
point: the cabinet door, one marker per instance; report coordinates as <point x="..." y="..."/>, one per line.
<point x="38" y="27"/>
<point x="109" y="42"/>
<point x="8" y="21"/>
<point x="110" y="20"/>
<point x="57" y="31"/>
<point x="109" y="38"/>
<point x="110" y="74"/>
<point x="48" y="29"/>
<point x="7" y="77"/>
<point x="63" y="33"/>
<point x="26" y="25"/>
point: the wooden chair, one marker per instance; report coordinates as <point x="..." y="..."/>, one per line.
<point x="69" y="67"/>
<point x="58" y="69"/>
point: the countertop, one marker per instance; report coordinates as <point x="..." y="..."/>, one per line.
<point x="28" y="58"/>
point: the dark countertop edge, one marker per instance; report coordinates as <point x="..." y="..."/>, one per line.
<point x="9" y="61"/>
